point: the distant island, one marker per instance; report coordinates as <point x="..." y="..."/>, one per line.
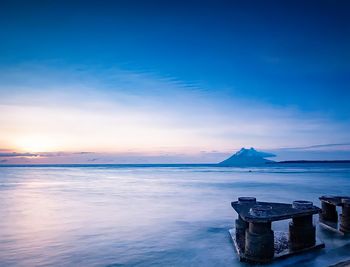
<point x="310" y="161"/>
<point x="248" y="157"/>
<point x="252" y="157"/>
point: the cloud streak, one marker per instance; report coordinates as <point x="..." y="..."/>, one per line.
<point x="317" y="146"/>
<point x="15" y="154"/>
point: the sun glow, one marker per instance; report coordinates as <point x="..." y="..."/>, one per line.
<point x="35" y="144"/>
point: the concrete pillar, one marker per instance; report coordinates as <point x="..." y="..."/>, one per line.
<point x="329" y="212"/>
<point x="241" y="227"/>
<point x="302" y="233"/>
<point x="259" y="242"/>
<point x="345" y="216"/>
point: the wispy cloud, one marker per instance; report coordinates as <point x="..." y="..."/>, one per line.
<point x="342" y="145"/>
<point x="15" y="154"/>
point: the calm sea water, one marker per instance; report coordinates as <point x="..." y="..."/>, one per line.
<point x="149" y="216"/>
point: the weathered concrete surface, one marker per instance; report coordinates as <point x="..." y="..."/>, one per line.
<point x="279" y="211"/>
<point x="334" y="200"/>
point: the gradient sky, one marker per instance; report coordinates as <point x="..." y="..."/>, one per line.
<point x="173" y="81"/>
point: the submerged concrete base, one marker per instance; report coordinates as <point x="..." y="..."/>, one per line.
<point x="281" y="247"/>
<point x="334" y="227"/>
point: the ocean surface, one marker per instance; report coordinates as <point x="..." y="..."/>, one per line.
<point x="150" y="215"/>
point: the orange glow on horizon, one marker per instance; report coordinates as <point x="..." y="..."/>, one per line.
<point x="34" y="144"/>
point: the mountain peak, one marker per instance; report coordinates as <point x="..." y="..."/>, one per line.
<point x="247" y="156"/>
<point x="242" y="151"/>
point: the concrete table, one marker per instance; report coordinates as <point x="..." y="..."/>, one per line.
<point x="254" y="239"/>
<point x="329" y="215"/>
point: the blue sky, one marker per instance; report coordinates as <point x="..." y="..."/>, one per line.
<point x="174" y="81"/>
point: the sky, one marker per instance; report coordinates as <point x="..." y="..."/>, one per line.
<point x="173" y="81"/>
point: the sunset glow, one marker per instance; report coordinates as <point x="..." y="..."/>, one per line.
<point x="35" y="144"/>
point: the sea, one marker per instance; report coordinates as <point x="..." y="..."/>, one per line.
<point x="151" y="215"/>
